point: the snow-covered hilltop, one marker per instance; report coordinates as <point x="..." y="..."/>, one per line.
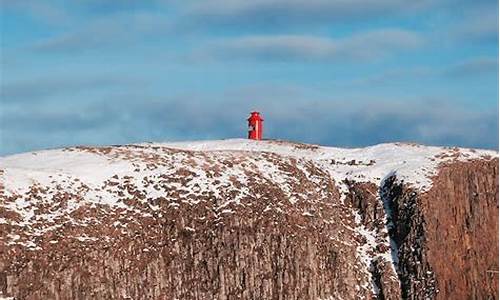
<point x="414" y="163"/>
<point x="176" y="197"/>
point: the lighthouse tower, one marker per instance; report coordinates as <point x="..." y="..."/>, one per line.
<point x="255" y="126"/>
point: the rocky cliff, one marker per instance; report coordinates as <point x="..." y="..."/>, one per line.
<point x="240" y="219"/>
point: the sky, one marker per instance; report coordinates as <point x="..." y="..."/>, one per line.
<point x="331" y="72"/>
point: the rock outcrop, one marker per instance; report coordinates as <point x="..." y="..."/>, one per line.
<point x="461" y="217"/>
<point x="249" y="220"/>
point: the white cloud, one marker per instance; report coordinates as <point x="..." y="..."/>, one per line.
<point x="473" y="67"/>
<point x="40" y="10"/>
<point x="367" y="45"/>
<point x="290" y="12"/>
<point x="479" y="25"/>
<point x="109" y="31"/>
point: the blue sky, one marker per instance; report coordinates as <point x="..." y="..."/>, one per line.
<point x="333" y="72"/>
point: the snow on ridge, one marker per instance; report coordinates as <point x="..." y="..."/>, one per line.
<point x="87" y="171"/>
<point x="413" y="163"/>
<point x="43" y="167"/>
<point x="286" y="147"/>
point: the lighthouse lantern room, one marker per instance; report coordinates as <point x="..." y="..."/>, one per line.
<point x="255" y="126"/>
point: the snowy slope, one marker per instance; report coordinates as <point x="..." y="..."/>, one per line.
<point x="415" y="164"/>
<point x="91" y="170"/>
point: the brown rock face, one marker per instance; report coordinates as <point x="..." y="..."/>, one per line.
<point x="447" y="238"/>
<point x="389" y="287"/>
<point x="245" y="256"/>
<point x="461" y="217"/>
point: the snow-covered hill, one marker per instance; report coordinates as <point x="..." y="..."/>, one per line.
<point x="97" y="197"/>
<point x="416" y="164"/>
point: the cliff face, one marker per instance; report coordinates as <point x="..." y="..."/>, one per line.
<point x="249" y="220"/>
<point x="461" y="216"/>
<point x="447" y="238"/>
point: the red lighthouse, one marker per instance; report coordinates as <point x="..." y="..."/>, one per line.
<point x="255" y="126"/>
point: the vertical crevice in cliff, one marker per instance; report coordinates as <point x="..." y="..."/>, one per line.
<point x="385" y="198"/>
<point x="406" y="226"/>
<point x="375" y="249"/>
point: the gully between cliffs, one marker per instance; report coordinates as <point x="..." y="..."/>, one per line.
<point x="407" y="230"/>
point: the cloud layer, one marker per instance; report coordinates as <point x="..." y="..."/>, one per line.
<point x="366" y="46"/>
<point x="334" y="72"/>
<point x="280" y="13"/>
<point x="324" y="121"/>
